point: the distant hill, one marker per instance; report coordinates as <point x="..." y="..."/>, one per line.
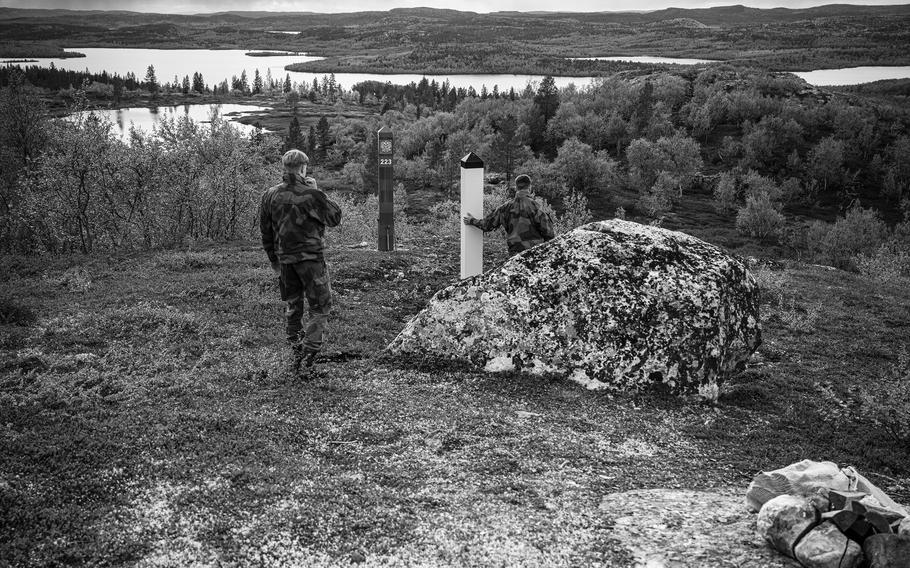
<point x="435" y="40"/>
<point x="719" y="15"/>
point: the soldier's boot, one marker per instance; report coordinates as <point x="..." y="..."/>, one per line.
<point x="310" y="359"/>
<point x="309" y="370"/>
<point x="297" y="359"/>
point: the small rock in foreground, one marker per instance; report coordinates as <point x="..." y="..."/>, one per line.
<point x="826" y="547"/>
<point x="887" y="551"/>
<point x="904" y="528"/>
<point x="784" y="519"/>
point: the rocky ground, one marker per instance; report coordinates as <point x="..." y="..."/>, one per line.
<point x="146" y="419"/>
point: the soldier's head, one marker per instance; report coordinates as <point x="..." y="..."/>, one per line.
<point x="294" y="162"/>
<point x="522" y="182"/>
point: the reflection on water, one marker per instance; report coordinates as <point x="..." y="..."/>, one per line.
<point x="145" y="119"/>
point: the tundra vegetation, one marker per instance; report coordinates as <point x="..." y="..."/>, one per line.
<point x="145" y="417"/>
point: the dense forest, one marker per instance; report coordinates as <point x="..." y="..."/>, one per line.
<point x="779" y="159"/>
<point x="425" y="40"/>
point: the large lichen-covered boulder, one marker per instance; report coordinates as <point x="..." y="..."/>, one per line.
<point x="612" y="304"/>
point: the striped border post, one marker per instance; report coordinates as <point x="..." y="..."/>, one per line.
<point x="471" y="202"/>
<point x="384" y="139"/>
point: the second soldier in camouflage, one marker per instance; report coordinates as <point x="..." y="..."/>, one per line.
<point x="525" y="223"/>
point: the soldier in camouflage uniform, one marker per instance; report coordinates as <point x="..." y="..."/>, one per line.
<point x="524" y="222"/>
<point x="293" y="217"/>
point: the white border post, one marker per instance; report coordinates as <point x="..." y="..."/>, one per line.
<point x="471" y="202"/>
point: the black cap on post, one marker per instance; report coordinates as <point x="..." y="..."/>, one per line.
<point x="471" y="161"/>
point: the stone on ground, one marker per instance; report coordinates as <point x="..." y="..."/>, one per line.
<point x="887" y="551"/>
<point x="826" y="547"/>
<point x="783" y="520"/>
<point x="612" y="304"/>
<point x="904" y="527"/>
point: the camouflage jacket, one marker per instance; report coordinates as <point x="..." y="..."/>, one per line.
<point x="524" y="222"/>
<point x="293" y="218"/>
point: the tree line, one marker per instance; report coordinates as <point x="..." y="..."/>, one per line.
<point x="116" y="86"/>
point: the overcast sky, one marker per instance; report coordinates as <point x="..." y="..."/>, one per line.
<point x="198" y="6"/>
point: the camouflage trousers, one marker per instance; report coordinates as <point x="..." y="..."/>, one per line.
<point x="307" y="279"/>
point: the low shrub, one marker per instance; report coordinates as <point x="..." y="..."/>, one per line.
<point x="360" y="219"/>
<point x="755" y="184"/>
<point x="759" y="218"/>
<point x="547" y="181"/>
<point x="860" y="232"/>
<point x="445" y="218"/>
<point x="778" y="304"/>
<point x="725" y="193"/>
<point x="886" y="402"/>
<point x="357" y="222"/>
<point x="890" y="262"/>
<point x="661" y="197"/>
<point x="794" y="191"/>
<point x="575" y="212"/>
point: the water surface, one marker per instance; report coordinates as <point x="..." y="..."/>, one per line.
<point x="853" y="75"/>
<point x="218" y="65"/>
<point x="146" y="118"/>
<point x="215" y="65"/>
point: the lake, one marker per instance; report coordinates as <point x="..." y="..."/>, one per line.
<point x="853" y="75"/>
<point x="217" y="65"/>
<point x="214" y="64"/>
<point x="146" y="118"/>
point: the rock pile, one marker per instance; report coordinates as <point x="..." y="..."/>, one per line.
<point x="834" y="518"/>
<point x="611" y="304"/>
